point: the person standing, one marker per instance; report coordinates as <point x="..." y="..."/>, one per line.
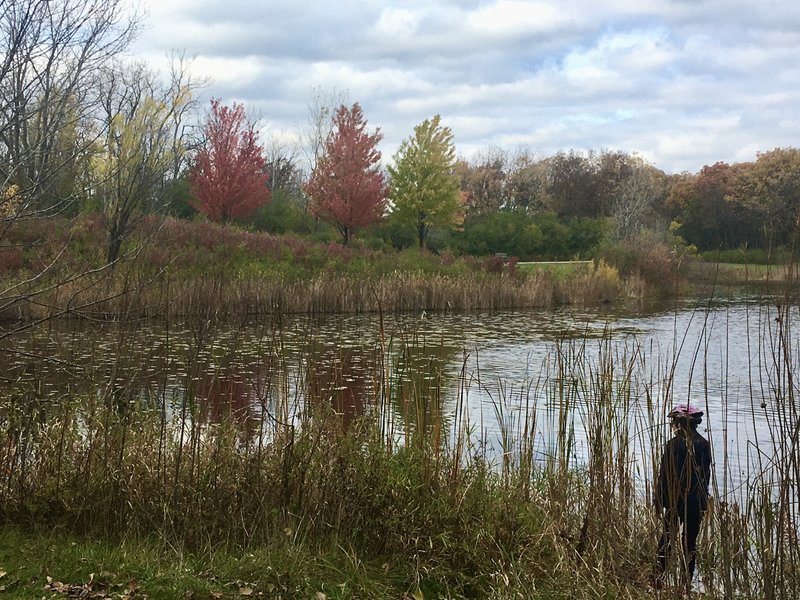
<point x="681" y="490"/>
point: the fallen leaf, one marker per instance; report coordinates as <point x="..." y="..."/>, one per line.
<point x="132" y="585"/>
<point x="188" y="595"/>
<point x="320" y="596"/>
<point x="245" y="591"/>
<point x="216" y="595"/>
<point x="2" y="573"/>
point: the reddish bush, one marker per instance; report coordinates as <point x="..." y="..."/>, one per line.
<point x="493" y="264"/>
<point x="10" y="258"/>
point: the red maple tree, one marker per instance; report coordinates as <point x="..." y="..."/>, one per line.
<point x="347" y="186"/>
<point x="228" y="178"/>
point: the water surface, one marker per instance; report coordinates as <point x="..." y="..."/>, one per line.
<point x="498" y="371"/>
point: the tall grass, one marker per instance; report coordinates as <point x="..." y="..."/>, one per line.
<point x="118" y="296"/>
<point x="548" y="498"/>
<point x="184" y="269"/>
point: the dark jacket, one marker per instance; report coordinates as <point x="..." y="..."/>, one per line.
<point x="685" y="473"/>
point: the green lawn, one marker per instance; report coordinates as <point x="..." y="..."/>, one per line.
<point x="740" y="273"/>
<point x="52" y="564"/>
<point x="557" y="267"/>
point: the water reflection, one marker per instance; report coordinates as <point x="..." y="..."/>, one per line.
<point x="345" y="380"/>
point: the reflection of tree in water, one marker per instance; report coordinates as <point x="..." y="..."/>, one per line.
<point x="419" y="385"/>
<point x="224" y="396"/>
<point x="343" y="379"/>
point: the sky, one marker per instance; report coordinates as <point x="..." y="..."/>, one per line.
<point x="682" y="83"/>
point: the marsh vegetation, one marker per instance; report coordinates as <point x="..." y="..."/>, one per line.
<point x="470" y="455"/>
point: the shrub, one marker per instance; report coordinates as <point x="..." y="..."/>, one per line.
<point x="752" y="256"/>
<point x="646" y="256"/>
<point x="10" y="258"/>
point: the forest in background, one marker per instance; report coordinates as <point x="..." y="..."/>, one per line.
<point x="83" y="132"/>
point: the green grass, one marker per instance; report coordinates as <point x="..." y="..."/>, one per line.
<point x="736" y="273"/>
<point x="558" y="268"/>
<point x="142" y="568"/>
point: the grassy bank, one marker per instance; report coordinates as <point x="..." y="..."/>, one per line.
<point x="740" y="273"/>
<point x="45" y="563"/>
<point x="181" y="268"/>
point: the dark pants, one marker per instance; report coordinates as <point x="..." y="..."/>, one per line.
<point x="684" y="519"/>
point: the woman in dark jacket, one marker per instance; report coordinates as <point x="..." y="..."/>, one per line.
<point x="681" y="492"/>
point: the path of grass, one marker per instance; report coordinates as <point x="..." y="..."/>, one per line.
<point x="558" y="267"/>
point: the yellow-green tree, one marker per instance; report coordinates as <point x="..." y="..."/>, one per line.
<point x="771" y="186"/>
<point x="139" y="149"/>
<point x="425" y="189"/>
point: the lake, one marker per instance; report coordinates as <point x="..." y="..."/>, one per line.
<point x="498" y="375"/>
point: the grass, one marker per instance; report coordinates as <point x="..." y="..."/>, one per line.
<point x="39" y="562"/>
<point x="406" y="500"/>
<point x="739" y="273"/>
<point x="186" y="269"/>
<point x="561" y="268"/>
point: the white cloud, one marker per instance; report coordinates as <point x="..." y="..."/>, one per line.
<point x="397" y="23"/>
<point x="683" y="83"/>
<point x="506" y="18"/>
<point x="231" y="72"/>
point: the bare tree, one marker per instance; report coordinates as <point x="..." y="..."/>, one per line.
<point x="186" y="137"/>
<point x="526" y="185"/>
<point x="51" y="55"/>
<point x="634" y="203"/>
<point x="321" y="108"/>
<point x="282" y="166"/>
<point x="53" y="51"/>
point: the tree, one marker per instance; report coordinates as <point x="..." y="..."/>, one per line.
<point x="282" y="167"/>
<point x="321" y="107"/>
<point x="51" y="52"/>
<point x="771" y="186"/>
<point x="228" y="179"/>
<point x="425" y="191"/>
<point x="525" y="185"/>
<point x="347" y="186"/>
<point x="140" y="149"/>
<point x="612" y="170"/>
<point x="572" y="185"/>
<point x="636" y="198"/>
<point x="484" y="182"/>
<point x="706" y="217"/>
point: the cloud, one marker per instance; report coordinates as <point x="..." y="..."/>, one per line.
<point x="683" y="83"/>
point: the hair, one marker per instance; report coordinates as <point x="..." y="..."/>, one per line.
<point x="687" y="423"/>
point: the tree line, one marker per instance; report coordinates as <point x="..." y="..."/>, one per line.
<point x="82" y="130"/>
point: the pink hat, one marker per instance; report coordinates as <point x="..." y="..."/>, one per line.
<point x="685" y="411"/>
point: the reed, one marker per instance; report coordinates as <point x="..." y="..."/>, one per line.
<point x="182" y="269"/>
<point x="226" y="297"/>
<point x="547" y="499"/>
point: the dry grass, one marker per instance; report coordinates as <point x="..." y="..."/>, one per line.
<point x="128" y="295"/>
<point x="465" y="511"/>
